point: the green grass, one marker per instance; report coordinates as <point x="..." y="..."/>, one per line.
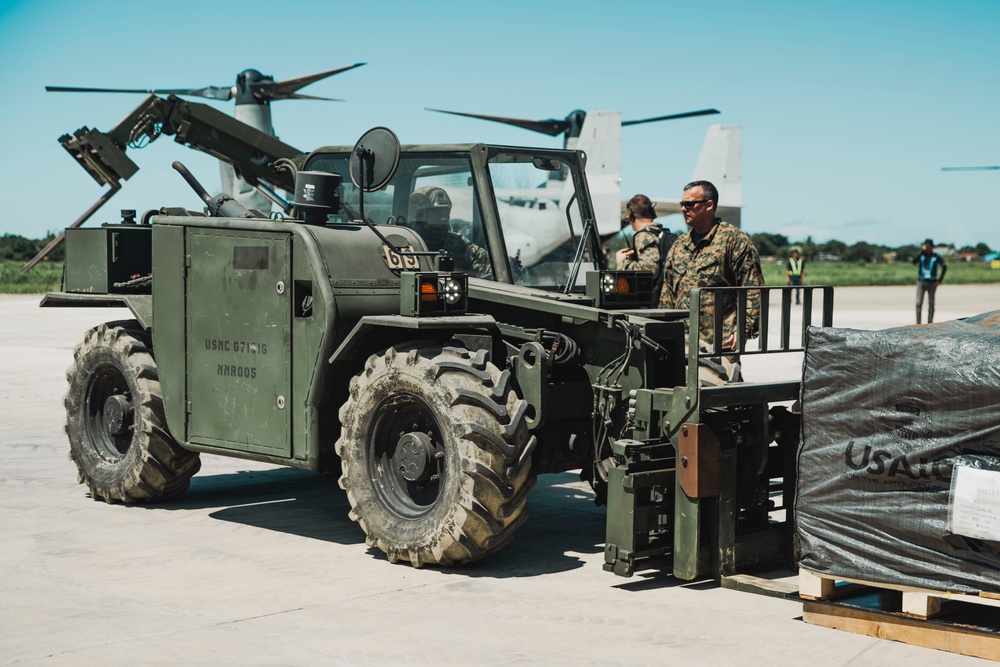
<point x="47" y="276"/>
<point x="44" y="277"/>
<point x="843" y="274"/>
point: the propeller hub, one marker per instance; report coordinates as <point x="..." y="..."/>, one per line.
<point x="246" y="82"/>
<point x="574" y="123"/>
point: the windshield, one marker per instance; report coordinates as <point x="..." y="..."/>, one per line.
<point x="540" y="216"/>
<point x="433" y="195"/>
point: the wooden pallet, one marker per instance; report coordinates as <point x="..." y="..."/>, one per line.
<point x="918" y="602"/>
<point x="954" y="622"/>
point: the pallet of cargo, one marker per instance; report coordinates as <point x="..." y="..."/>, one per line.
<point x="956" y="622"/>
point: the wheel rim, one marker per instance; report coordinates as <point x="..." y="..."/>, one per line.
<point x="109" y="412"/>
<point x="406" y="456"/>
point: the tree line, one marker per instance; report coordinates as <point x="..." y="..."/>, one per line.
<point x="21" y="249"/>
<point x="862" y="252"/>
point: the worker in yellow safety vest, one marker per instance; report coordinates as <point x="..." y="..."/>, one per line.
<point x="795" y="272"/>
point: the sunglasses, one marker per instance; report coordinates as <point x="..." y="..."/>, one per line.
<point x="691" y="204"/>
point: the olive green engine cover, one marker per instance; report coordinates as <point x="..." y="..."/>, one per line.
<point x="238" y="315"/>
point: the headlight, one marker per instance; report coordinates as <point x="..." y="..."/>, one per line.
<point x="450" y="290"/>
<point x="608" y="283"/>
<point x="423" y="294"/>
<point x="621" y="289"/>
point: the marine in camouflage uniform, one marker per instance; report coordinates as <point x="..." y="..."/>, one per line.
<point x="430" y="211"/>
<point x="469" y="257"/>
<point x="725" y="257"/>
<point x="646" y="244"/>
<point x="712" y="254"/>
<point x="644" y="251"/>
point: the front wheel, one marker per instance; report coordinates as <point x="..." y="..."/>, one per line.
<point x="114" y="420"/>
<point x="433" y="450"/>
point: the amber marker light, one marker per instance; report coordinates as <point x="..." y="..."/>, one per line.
<point x="428" y="291"/>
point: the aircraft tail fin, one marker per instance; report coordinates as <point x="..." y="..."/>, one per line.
<point x="721" y="162"/>
<point x="601" y="138"/>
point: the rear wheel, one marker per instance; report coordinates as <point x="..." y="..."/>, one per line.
<point x="431" y="445"/>
<point x="114" y="420"/>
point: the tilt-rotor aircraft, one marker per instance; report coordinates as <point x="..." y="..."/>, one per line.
<point x="102" y="154"/>
<point x="253" y="93"/>
<point x="598" y="133"/>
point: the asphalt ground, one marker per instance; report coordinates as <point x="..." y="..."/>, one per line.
<point x="260" y="565"/>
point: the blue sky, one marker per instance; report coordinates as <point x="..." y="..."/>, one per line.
<point x="849" y="109"/>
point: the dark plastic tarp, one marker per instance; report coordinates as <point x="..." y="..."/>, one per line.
<point x="887" y="415"/>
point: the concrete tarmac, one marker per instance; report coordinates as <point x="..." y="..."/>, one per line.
<point x="260" y="565"/>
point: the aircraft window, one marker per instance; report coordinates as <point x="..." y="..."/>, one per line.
<point x="541" y="219"/>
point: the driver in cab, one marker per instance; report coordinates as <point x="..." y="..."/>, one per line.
<point x="430" y="213"/>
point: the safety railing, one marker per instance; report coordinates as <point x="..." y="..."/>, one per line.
<point x="752" y="316"/>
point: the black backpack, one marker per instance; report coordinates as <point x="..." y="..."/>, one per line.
<point x="666" y="240"/>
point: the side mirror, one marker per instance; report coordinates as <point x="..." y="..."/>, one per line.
<point x="375" y="159"/>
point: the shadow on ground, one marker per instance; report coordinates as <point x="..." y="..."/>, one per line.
<point x="562" y="520"/>
<point x="563" y="525"/>
<point x="288" y="500"/>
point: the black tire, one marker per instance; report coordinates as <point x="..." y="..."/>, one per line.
<point x="114" y="420"/>
<point x="430" y="446"/>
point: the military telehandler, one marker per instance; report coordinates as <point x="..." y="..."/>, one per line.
<point x="335" y="337"/>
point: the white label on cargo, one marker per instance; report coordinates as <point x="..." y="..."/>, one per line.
<point x="975" y="503"/>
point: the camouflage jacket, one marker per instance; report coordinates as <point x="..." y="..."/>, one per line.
<point x="725" y="257"/>
<point x="469" y="257"/>
<point x="646" y="244"/>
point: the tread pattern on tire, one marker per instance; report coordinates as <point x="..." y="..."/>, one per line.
<point x="485" y="422"/>
<point x="155" y="467"/>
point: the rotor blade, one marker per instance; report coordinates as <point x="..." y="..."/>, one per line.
<point x="300" y="96"/>
<point x="688" y="114"/>
<point x="283" y="90"/>
<point x="71" y="89"/>
<point x="551" y="127"/>
<point x="211" y="92"/>
<point x="990" y="168"/>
